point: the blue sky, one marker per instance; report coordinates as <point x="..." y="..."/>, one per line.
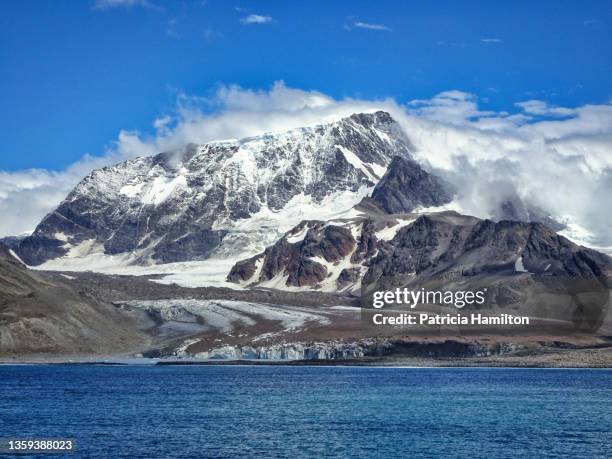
<point x="73" y="74"/>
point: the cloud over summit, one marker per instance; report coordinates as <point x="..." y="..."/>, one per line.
<point x="555" y="157"/>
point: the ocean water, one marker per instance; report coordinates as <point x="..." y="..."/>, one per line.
<point x="284" y="411"/>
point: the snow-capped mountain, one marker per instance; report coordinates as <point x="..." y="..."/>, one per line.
<point x="199" y="213"/>
<point x="320" y="215"/>
<point x="219" y="200"/>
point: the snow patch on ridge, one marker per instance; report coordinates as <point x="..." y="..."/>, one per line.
<point x="161" y="188"/>
<point x="131" y="191"/>
<point x="357" y="163"/>
<point x="15" y="256"/>
<point x="157" y="191"/>
<point x="518" y="265"/>
<point x="299" y="236"/>
<point x="389" y="232"/>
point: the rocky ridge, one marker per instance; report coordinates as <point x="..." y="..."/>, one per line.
<point x="522" y="265"/>
<point x="44" y="315"/>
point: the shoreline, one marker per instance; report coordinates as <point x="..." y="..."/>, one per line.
<point x="591" y="358"/>
<point x="327" y="364"/>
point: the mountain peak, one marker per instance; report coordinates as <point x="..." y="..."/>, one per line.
<point x="197" y="202"/>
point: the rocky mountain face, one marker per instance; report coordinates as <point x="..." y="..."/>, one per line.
<point x="406" y="186"/>
<point x="43" y="314"/>
<point x="293" y="259"/>
<point x="445" y="250"/>
<point x="440" y="243"/>
<point x="182" y="206"/>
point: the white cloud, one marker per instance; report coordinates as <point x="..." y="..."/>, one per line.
<point x="369" y="26"/>
<point x="539" y="107"/>
<point x="491" y="41"/>
<point x="256" y="19"/>
<point x="353" y="23"/>
<point x="109" y="4"/>
<point x="452" y="107"/>
<point x="561" y="164"/>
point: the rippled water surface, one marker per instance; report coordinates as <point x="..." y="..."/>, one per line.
<point x="284" y="411"/>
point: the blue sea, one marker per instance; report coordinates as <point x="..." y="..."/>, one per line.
<point x="286" y="411"/>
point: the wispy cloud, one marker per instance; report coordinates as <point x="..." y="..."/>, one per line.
<point x="541" y="108"/>
<point x="369" y="26"/>
<point x="354" y="24"/>
<point x="109" y="4"/>
<point x="491" y="41"/>
<point x="256" y="19"/>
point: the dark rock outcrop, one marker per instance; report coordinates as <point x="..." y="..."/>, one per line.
<point x="434" y="245"/>
<point x="406" y="186"/>
<point x="297" y="260"/>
